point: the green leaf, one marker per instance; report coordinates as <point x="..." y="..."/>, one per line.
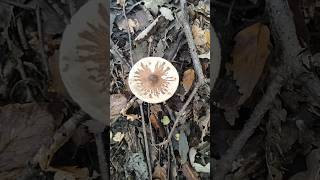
<point x="165" y="120"/>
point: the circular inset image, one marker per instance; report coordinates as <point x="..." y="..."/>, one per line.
<point x="153" y="79"/>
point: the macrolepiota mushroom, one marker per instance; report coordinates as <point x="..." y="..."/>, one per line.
<point x="153" y="79"/>
<point x="83" y="59"/>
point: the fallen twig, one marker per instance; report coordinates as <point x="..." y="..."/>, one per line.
<point x="192" y="47"/>
<point x="196" y="65"/>
<point x="40" y="36"/>
<point x="181" y="114"/>
<point x="129" y="104"/>
<point x="145" y="137"/>
<point x="224" y="165"/>
<point x="129" y="34"/>
<point x="21" y="33"/>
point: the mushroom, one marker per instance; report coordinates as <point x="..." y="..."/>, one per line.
<point x="153" y="79"/>
<point x="83" y="59"/>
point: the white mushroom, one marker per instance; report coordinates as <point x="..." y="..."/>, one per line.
<point x="83" y="59"/>
<point x="153" y="79"/>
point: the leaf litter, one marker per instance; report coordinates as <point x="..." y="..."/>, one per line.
<point x="53" y="131"/>
<point x="158" y="38"/>
<point x="264" y="129"/>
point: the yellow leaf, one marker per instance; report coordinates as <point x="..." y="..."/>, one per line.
<point x="207" y="37"/>
<point x="165" y="120"/>
<point x="177" y="136"/>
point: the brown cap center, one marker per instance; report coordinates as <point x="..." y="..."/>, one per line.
<point x="153" y="78"/>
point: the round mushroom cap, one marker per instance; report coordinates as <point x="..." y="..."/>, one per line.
<point x="153" y="79"/>
<point x="83" y="59"/>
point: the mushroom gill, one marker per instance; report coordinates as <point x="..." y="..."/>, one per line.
<point x="83" y="62"/>
<point x="153" y="83"/>
<point x="96" y="50"/>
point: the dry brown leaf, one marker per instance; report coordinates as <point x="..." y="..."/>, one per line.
<point x="133" y="24"/>
<point x="250" y="54"/>
<point x="159" y="173"/>
<point x="154" y="121"/>
<point x="24" y="129"/>
<point x="188" y="78"/>
<point x="200" y="37"/>
<point x="189" y="172"/>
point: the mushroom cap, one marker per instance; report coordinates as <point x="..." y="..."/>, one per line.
<point x="153" y="79"/>
<point x="83" y="59"/>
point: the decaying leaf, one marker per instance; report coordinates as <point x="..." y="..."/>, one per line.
<point x="24" y="129"/>
<point x="145" y="33"/>
<point x="137" y="164"/>
<point x="154" y="4"/>
<point x="201" y="37"/>
<point x="167" y="13"/>
<point x="189" y="172"/>
<point x="118" y="137"/>
<point x="183" y="147"/>
<point x="159" y="51"/>
<point x="250" y="54"/>
<point x="159" y="173"/>
<point x="133" y="24"/>
<point x="140" y="51"/>
<point x="117" y="103"/>
<point x="198" y="167"/>
<point x="188" y="79"/>
<point x="154" y="121"/>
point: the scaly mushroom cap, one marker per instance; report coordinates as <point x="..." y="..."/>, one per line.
<point x="153" y="79"/>
<point x="83" y="59"/>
